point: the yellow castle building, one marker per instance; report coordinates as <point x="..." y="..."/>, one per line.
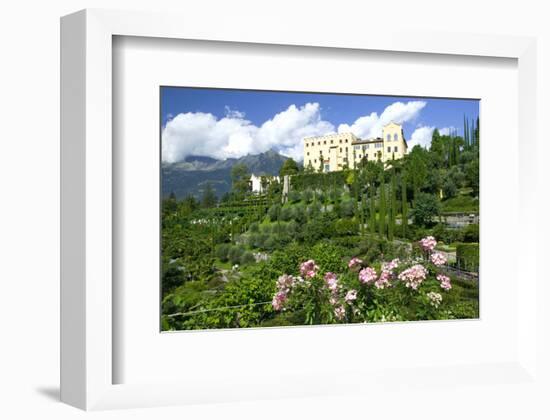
<point x="335" y="152"/>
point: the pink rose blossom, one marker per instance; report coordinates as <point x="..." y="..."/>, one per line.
<point x="340" y="312"/>
<point x="413" y="276"/>
<point x="390" y="266"/>
<point x="428" y="243"/>
<point x="445" y="281"/>
<point x="383" y="281"/>
<point x="278" y="300"/>
<point x="308" y="269"/>
<point x="285" y="282"/>
<point x="354" y="262"/>
<point x="332" y="281"/>
<point x="367" y="275"/>
<point x="351" y="296"/>
<point x="438" y="258"/>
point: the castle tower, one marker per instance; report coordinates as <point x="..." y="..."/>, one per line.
<point x="395" y="146"/>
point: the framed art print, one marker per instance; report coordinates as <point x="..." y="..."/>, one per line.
<point x="260" y="217"/>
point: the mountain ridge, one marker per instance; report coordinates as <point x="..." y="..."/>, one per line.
<point x="191" y="175"/>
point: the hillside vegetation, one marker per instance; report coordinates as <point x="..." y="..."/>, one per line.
<point x="359" y="245"/>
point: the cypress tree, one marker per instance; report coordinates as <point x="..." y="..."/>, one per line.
<point x="472" y="132"/>
<point x="476" y="132"/>
<point x="372" y="223"/>
<point x="382" y="206"/>
<point x="404" y="216"/>
<point x="393" y="206"/>
<point x="466" y="132"/>
<point x="450" y="151"/>
<point x="363" y="210"/>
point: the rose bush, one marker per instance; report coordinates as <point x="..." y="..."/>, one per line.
<point x="408" y="289"/>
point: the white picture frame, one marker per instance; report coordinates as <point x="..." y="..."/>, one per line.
<point x="86" y="203"/>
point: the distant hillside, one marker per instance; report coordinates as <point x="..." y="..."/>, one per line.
<point x="191" y="175"/>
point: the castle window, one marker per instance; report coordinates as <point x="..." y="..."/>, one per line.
<point x="395" y="137"/>
<point x="340" y="141"/>
<point x="308" y="153"/>
<point x="331" y="141"/>
<point x="366" y="146"/>
<point x="325" y="142"/>
<point x="340" y="150"/>
<point x="388" y="137"/>
<point x="395" y="149"/>
<point x="359" y="156"/>
<point x="318" y="143"/>
<point x="389" y="149"/>
<point x="357" y="147"/>
<point x="366" y="155"/>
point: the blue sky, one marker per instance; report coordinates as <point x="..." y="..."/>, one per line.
<point x="227" y="123"/>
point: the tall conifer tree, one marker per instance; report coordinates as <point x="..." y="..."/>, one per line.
<point x="404" y="215"/>
<point x="382" y="206"/>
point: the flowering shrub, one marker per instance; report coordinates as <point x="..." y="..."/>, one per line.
<point x="367" y="275"/>
<point x="428" y="243"/>
<point x="413" y="276"/>
<point x="445" y="281"/>
<point x="387" y="291"/>
<point x="438" y="258"/>
<point x="309" y="269"/>
<point x="434" y="298"/>
<point x="354" y="263"/>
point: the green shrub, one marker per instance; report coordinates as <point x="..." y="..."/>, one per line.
<point x="270" y="243"/>
<point x="346" y="208"/>
<point x="346" y="227"/>
<point x="288" y="260"/>
<point x="299" y="213"/>
<point x="254" y="227"/>
<point x="274" y="212"/>
<point x="446" y="235"/>
<point x="266" y="229"/>
<point x="235" y="253"/>
<point x="467" y="256"/>
<point x="449" y="188"/>
<point x="307" y="196"/>
<point x="329" y="257"/>
<point x="292" y="229"/>
<point x="294" y="196"/>
<point x="287" y="213"/>
<point x="222" y="252"/>
<point x="426" y="207"/>
<point x="460" y="203"/>
<point x="314" y="210"/>
<point x="247" y="258"/>
<point x="471" y="233"/>
<point x="319" y="228"/>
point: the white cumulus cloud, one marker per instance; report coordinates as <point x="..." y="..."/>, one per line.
<point x="202" y="134"/>
<point x="422" y="136"/>
<point x="370" y="126"/>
